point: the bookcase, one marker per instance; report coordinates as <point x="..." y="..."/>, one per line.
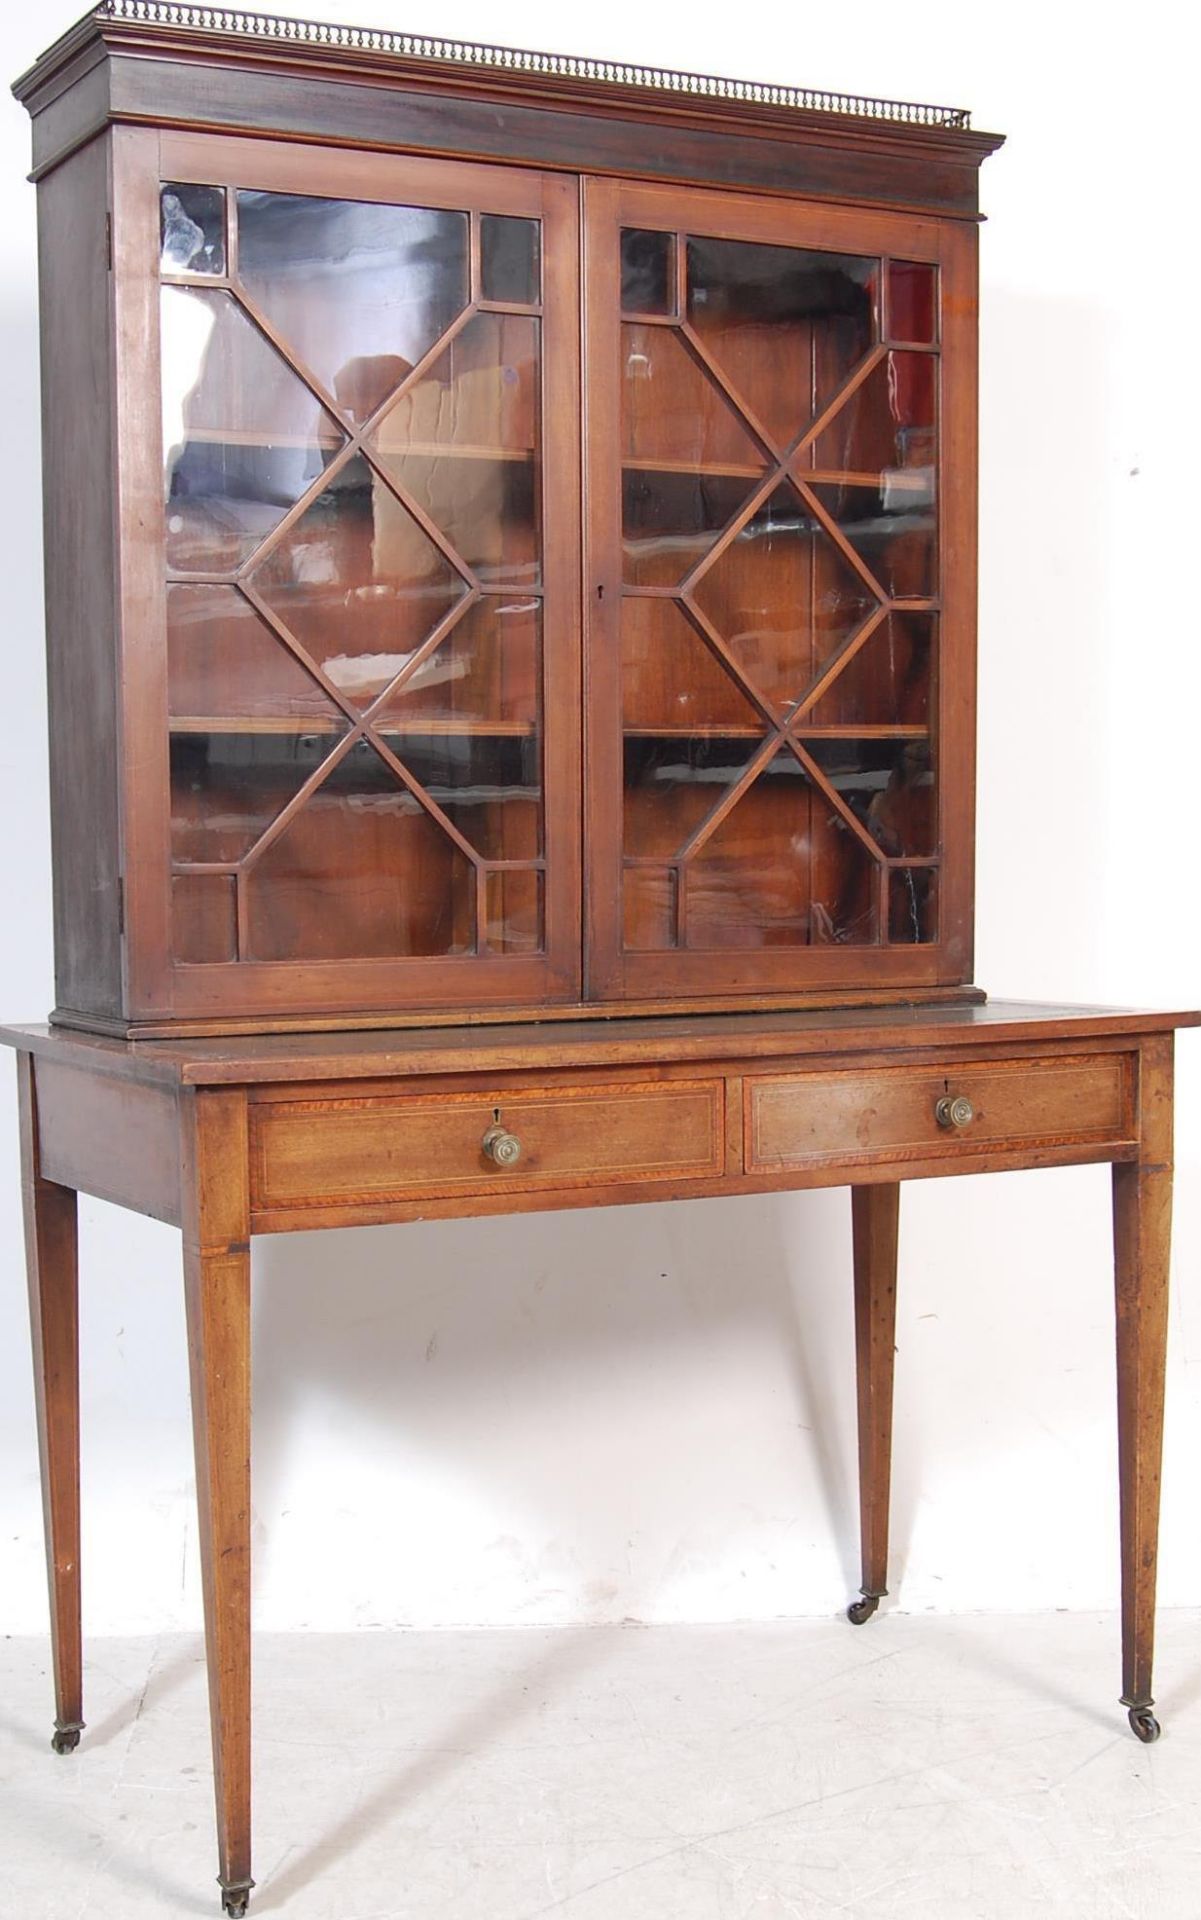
<point x="502" y="589"/>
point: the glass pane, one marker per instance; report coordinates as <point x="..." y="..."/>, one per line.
<point x="243" y="437"/>
<point x="887" y="423"/>
<point x="509" y="258"/>
<point x="203" y="918"/>
<point x="912" y="304"/>
<point x="913" y="906"/>
<point x="783" y="597"/>
<point x="461" y="442"/>
<point x="670" y="521"/>
<point x="487" y="509"/>
<point x="514" y="911"/>
<point x="673" y="784"/>
<point x="225" y="663"/>
<point x="888" y="785"/>
<point x="887" y="682"/>
<point x="782" y="870"/>
<point x="892" y="528"/>
<point x="671" y="682"/>
<point x="479" y="396"/>
<point x="358" y="582"/>
<point x="673" y="414"/>
<point x="358" y="291"/>
<point x="487" y="670"/>
<point x="648" y="266"/>
<point x="785" y="325"/>
<point x="649" y="909"/>
<point x="489" y="785"/>
<point x="227" y="788"/>
<point x="361" y="872"/>
<point x="192" y="229"/>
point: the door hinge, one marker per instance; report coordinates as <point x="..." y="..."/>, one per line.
<point x="121" y="907"/>
<point x="108" y="240"/>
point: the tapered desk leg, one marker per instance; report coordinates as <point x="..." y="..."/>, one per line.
<point x="52" y="1260"/>
<point x="1142" y="1221"/>
<point x="217" y="1290"/>
<point x="874" y="1214"/>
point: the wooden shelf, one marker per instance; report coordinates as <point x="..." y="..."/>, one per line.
<point x="864" y="732"/>
<point x="903" y="479"/>
<point x="327" y="443"/>
<point x="324" y="724"/>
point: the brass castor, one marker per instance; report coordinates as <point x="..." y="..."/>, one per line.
<point x="235" y="1900"/>
<point x="860" y="1611"/>
<point x="1144" y="1725"/>
<point x="65" y="1739"/>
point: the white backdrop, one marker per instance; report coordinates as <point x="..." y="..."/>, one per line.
<point x="647" y="1413"/>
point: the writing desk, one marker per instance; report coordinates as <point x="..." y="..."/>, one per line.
<point x="229" y="1138"/>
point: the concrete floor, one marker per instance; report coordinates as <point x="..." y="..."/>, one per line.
<point x="970" y="1768"/>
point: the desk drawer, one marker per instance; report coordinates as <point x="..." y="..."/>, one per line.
<point x="892" y="1113"/>
<point x="343" y="1152"/>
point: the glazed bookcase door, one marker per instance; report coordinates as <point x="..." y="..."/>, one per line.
<point x="365" y="591"/>
<point x="780" y="595"/>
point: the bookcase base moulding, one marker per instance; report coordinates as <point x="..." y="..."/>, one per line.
<point x="510" y="622"/>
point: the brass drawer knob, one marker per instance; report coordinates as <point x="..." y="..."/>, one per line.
<point x="954" y="1110"/>
<point x="501" y="1146"/>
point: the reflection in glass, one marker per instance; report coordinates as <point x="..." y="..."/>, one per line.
<point x="509" y="259"/>
<point x="227" y="788"/>
<point x="783" y="597"/>
<point x="888" y="785"/>
<point x="513" y="921"/>
<point x="358" y="582"/>
<point x="784" y="324"/>
<point x="648" y="909"/>
<point x="670" y="520"/>
<point x="912" y="303"/>
<point x="886" y="423"/>
<point x="781" y="870"/>
<point x="487" y="510"/>
<point x="647" y="271"/>
<point x="192" y="229"/>
<point x="479" y="395"/>
<point x="913" y="906"/>
<point x="489" y="785"/>
<point x="486" y="670"/>
<point x="362" y="872"/>
<point x="673" y="412"/>
<point x="886" y="682"/>
<point x="243" y="437"/>
<point x="203" y="918"/>
<point x="672" y="785"/>
<point x="225" y="663"/>
<point x="359" y="291"/>
<point x="892" y="528"/>
<point x="670" y="680"/>
<point x="461" y="442"/>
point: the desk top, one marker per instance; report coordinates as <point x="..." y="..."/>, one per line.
<point x="602" y="1042"/>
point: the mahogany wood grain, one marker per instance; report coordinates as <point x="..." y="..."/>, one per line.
<point x="1142" y="1221"/>
<point x="52" y="1262"/>
<point x="332" y="1131"/>
<point x="115" y="1139"/>
<point x="890" y="1035"/>
<point x="344" y="841"/>
<point x="216" y="1255"/>
<point x="874" y="1216"/>
<point x="82" y="679"/>
<point x="132" y="70"/>
<point x="360" y="1151"/>
<point x="891" y="1112"/>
